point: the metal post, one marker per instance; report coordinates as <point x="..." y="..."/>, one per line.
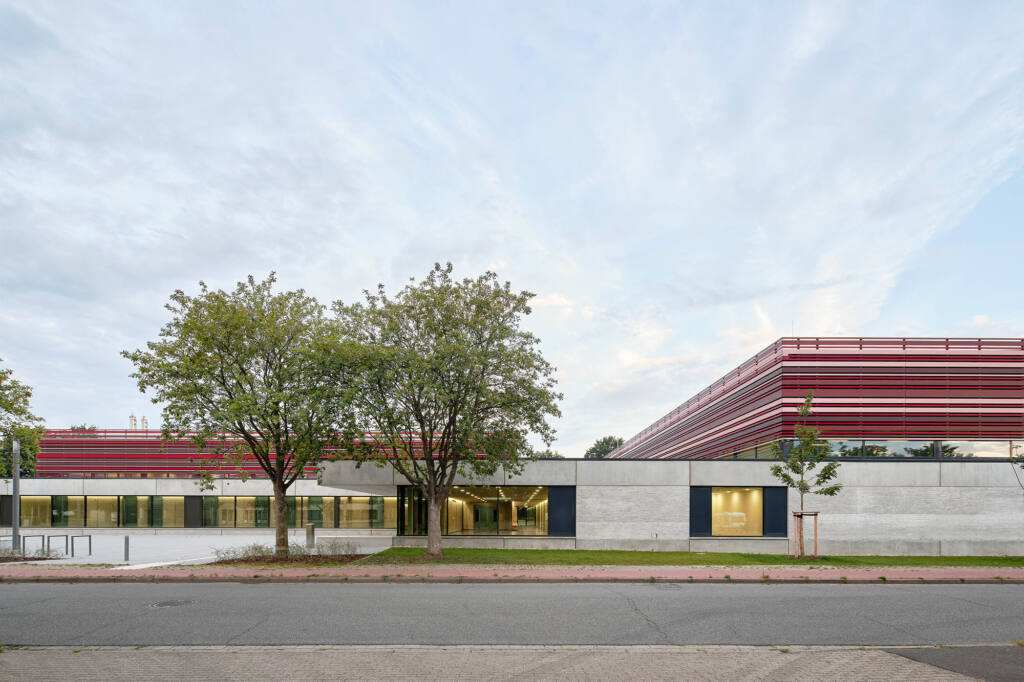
<point x="310" y="539"/>
<point x="15" y="493"/>
<point x="125" y="548"/>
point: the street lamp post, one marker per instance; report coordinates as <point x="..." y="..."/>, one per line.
<point x="15" y="494"/>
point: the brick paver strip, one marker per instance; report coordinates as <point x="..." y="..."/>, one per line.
<point x="464" y="663"/>
<point x="484" y="573"/>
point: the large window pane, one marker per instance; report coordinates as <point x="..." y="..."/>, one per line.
<point x="977" y="448"/>
<point x="135" y="511"/>
<point x="899" y="448"/>
<point x="210" y="507"/>
<point x="845" y="448"/>
<point x="225" y="512"/>
<point x="736" y="511"/>
<point x="173" y="512"/>
<point x="102" y="511"/>
<point x="245" y="511"/>
<point x="475" y="510"/>
<point x="312" y="511"/>
<point x="74" y="513"/>
<point x="355" y="512"/>
<point x="263" y="504"/>
<point x="328" y="512"/>
<point x="35" y="511"/>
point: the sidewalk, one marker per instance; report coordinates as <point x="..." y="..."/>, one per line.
<point x="468" y="663"/>
<point x="47" y="572"/>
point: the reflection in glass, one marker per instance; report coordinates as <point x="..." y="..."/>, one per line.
<point x="737" y="511"/>
<point x="1001" y="449"/>
<point x="845" y="448"/>
<point x="899" y="448"/>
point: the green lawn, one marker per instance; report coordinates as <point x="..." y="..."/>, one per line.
<point x="581" y="557"/>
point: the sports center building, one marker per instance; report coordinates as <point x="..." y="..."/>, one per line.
<point x="926" y="429"/>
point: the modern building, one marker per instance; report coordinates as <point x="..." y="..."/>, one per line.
<point x="873" y="397"/>
<point x="925" y="429"/>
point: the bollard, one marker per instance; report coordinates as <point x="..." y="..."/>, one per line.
<point x="310" y="539"/>
<point x="126" y="549"/>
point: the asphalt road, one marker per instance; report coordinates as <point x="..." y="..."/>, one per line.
<point x="310" y="613"/>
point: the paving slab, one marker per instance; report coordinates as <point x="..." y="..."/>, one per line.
<point x="466" y="663"/>
<point x="992" y="663"/>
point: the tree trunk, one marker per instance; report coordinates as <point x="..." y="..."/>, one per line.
<point x="434" y="529"/>
<point x="281" y="518"/>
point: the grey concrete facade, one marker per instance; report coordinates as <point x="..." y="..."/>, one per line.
<point x="885" y="507"/>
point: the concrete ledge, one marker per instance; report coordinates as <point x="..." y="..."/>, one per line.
<point x="744" y="545"/>
<point x="490" y="542"/>
<point x="666" y="545"/>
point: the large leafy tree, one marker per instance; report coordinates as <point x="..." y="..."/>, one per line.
<point x="452" y="382"/>
<point x="602" y="447"/>
<point x="253" y="372"/>
<point x="17" y="422"/>
<point x="798" y="466"/>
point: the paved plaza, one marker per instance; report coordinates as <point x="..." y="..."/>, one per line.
<point x="469" y="663"/>
<point x="162" y="549"/>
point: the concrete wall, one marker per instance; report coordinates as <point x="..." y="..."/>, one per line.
<point x="890" y="507"/>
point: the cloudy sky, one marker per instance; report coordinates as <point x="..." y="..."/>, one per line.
<point x="679" y="183"/>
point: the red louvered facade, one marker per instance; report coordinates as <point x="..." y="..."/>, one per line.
<point x="865" y="389"/>
<point x="128" y="453"/>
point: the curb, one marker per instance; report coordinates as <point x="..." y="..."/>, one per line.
<point x="492" y="580"/>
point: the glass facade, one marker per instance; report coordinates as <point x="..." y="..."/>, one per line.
<point x="900" y="449"/>
<point x="478" y="510"/>
<point x="162" y="511"/>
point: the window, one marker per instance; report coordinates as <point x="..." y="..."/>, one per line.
<point x="738" y="511"/>
<point x="492" y="510"/>
<point x="101" y="511"/>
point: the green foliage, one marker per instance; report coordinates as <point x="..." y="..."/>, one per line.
<point x="450" y="381"/>
<point x="548" y="454"/>
<point x="15" y="410"/>
<point x="602" y="447"/>
<point x="807" y="452"/>
<point x="247" y="363"/>
<point x="17" y="422"/>
<point x="28" y="438"/>
<point x="82" y="427"/>
<point x="257" y="366"/>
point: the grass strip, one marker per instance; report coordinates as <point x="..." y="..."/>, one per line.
<point x="581" y="557"/>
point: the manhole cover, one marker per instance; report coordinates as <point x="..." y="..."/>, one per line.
<point x="172" y="602"/>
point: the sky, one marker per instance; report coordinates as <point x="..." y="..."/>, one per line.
<point x="679" y="184"/>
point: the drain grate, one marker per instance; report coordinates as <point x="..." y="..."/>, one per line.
<point x="171" y="602"/>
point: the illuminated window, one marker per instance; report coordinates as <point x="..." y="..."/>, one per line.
<point x="736" y="511"/>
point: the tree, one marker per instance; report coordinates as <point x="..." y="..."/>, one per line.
<point x="548" y="454"/>
<point x="806" y="453"/>
<point x="602" y="447"/>
<point x="17" y="423"/>
<point x="27" y="436"/>
<point x="256" y="372"/>
<point x="452" y="383"/>
<point x="82" y="427"/>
